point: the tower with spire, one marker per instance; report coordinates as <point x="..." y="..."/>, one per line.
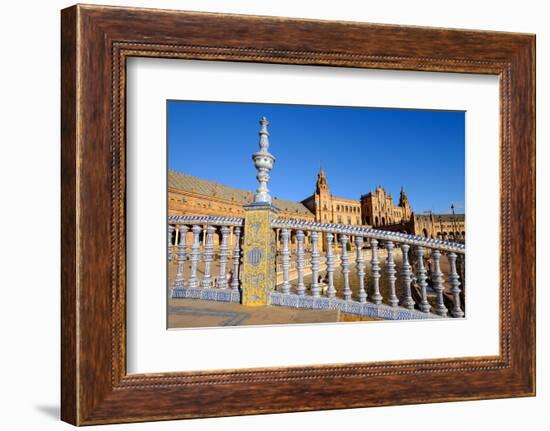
<point x="321" y="181"/>
<point x="404" y="203"/>
<point x="323" y="198"/>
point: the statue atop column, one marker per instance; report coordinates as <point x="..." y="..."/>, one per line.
<point x="263" y="162"/>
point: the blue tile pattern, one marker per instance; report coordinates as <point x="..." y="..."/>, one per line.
<point x="279" y="299"/>
<point x="367" y="309"/>
<point x="221" y="295"/>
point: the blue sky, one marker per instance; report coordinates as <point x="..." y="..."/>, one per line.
<point x="359" y="148"/>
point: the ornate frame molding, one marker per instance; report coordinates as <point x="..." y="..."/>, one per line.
<point x="96" y="41"/>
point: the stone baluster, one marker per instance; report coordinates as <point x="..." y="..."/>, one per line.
<point x="195" y="256"/>
<point x="224" y="254"/>
<point x="236" y="259"/>
<point x="331" y="291"/>
<point x="178" y="282"/>
<point x="437" y="278"/>
<point x="406" y="273"/>
<point x="455" y="289"/>
<point x="462" y="271"/>
<point x="315" y="257"/>
<point x="170" y="246"/>
<point x="421" y="280"/>
<point x="360" y="267"/>
<point x="345" y="266"/>
<point x="208" y="256"/>
<point x="301" y="288"/>
<point x="375" y="271"/>
<point x="285" y="255"/>
<point x="390" y="270"/>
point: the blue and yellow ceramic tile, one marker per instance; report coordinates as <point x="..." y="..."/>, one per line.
<point x="258" y="255"/>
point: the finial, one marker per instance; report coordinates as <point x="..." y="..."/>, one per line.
<point x="321" y="171"/>
<point x="263" y="162"/>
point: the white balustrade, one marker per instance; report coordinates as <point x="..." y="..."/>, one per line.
<point x="331" y="291"/>
<point x="300" y="264"/>
<point x="195" y="256"/>
<point x="390" y="271"/>
<point x="421" y="278"/>
<point x="437" y="279"/>
<point x="224" y="254"/>
<point x="315" y="289"/>
<point x="208" y="256"/>
<point x="285" y="253"/>
<point x="360" y="267"/>
<point x="236" y="259"/>
<point x="375" y="272"/>
<point x="178" y="282"/>
<point x="171" y="230"/>
<point x="406" y="272"/>
<point x="320" y="258"/>
<point x="344" y="260"/>
<point x="455" y="289"/>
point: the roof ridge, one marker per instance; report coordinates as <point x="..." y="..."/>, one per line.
<point x="204" y="184"/>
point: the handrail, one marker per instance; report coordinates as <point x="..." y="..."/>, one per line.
<point x="328" y="228"/>
<point x="369" y="233"/>
<point x="206" y="220"/>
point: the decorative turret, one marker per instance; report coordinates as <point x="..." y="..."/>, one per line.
<point x="323" y="199"/>
<point x="404" y="203"/>
<point x="403" y="199"/>
<point x="263" y="162"/>
<point x="321" y="181"/>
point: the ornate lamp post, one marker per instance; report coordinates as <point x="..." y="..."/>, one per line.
<point x="259" y="273"/>
<point x="263" y="162"/>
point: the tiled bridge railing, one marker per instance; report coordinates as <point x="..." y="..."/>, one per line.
<point x="413" y="266"/>
<point x="189" y="232"/>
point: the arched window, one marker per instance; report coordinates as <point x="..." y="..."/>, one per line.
<point x="376" y="221"/>
<point x="383" y="221"/>
<point x="424" y="233"/>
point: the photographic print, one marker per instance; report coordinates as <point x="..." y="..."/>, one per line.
<point x="289" y="214"/>
<point x="269" y="212"/>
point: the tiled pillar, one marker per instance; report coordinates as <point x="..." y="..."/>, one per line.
<point x="259" y="248"/>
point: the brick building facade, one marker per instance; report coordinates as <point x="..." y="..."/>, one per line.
<point x="188" y="195"/>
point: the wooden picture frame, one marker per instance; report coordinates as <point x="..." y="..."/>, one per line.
<point x="95" y="42"/>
